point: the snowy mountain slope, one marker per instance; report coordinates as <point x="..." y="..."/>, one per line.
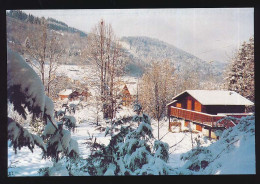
<point x="140" y="50"/>
<point x="233" y="153"/>
<point x="143" y="50"/>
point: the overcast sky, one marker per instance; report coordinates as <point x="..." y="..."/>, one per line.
<point x="208" y="33"/>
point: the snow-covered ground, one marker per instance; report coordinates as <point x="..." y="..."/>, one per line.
<point x="25" y="163"/>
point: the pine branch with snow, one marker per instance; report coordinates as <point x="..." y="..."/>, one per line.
<point x="24" y="87"/>
<point x="240" y="74"/>
<point x="208" y="160"/>
<point x="61" y="142"/>
<point x="26" y="93"/>
<point x="129" y="152"/>
<point x="69" y="122"/>
<point x="21" y="137"/>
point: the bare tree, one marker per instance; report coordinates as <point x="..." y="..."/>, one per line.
<point x="44" y="48"/>
<point x="36" y="46"/>
<point x="97" y="108"/>
<point x="187" y="79"/>
<point x="55" y="51"/>
<point x="156" y="89"/>
<point x="105" y="52"/>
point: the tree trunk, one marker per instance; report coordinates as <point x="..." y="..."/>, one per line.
<point x="191" y="136"/>
<point x="158" y="130"/>
<point x="49" y="80"/>
<point x="42" y="72"/>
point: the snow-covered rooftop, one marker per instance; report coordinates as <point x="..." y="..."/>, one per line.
<point x="217" y="97"/>
<point x="65" y="92"/>
<point x="132" y="88"/>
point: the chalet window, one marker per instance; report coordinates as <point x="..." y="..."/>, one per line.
<point x="178" y="105"/>
<point x="197" y="106"/>
<point x="189" y="104"/>
<point x="198" y="127"/>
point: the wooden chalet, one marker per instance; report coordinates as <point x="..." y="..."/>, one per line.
<point x="64" y="93"/>
<point x="74" y="95"/>
<point x="85" y="95"/>
<point x="202" y="110"/>
<point x="126" y="96"/>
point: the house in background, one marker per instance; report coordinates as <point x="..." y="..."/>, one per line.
<point x="128" y="93"/>
<point x="200" y="110"/>
<point x="64" y="93"/>
<point x="85" y="94"/>
<point x="74" y="95"/>
<point x="126" y="96"/>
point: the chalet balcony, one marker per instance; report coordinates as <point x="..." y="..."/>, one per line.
<point x="200" y="117"/>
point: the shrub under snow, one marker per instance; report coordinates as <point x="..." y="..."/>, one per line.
<point x="21" y="137"/>
<point x="233" y="153"/>
<point x="24" y="86"/>
<point x="69" y="122"/>
<point x="26" y="93"/>
<point x="130" y="153"/>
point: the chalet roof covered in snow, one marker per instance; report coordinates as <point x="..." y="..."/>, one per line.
<point x="132" y="88"/>
<point x="217" y="97"/>
<point x="65" y="92"/>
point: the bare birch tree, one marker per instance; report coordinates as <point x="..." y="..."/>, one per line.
<point x="156" y="89"/>
<point x="105" y="52"/>
<point x="36" y="47"/>
<point x="44" y="48"/>
<point x="55" y="52"/>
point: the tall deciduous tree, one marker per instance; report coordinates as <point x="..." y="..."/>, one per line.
<point x="55" y="52"/>
<point x="157" y="89"/>
<point x="43" y="47"/>
<point x="105" y="52"/>
<point x="240" y="77"/>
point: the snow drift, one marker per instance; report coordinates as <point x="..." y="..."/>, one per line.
<point x="234" y="153"/>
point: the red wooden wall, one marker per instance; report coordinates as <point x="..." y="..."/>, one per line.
<point x="186" y="101"/>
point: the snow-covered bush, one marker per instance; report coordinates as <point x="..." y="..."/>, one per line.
<point x="59" y="114"/>
<point x="66" y="167"/>
<point x="16" y="116"/>
<point x="130" y="152"/>
<point x="69" y="122"/>
<point x="161" y="150"/>
<point x="37" y="126"/>
<point x="208" y="160"/>
<point x="24" y="87"/>
<point x="21" y="137"/>
<point x="137" y="108"/>
<point x="61" y="142"/>
<point x="26" y="93"/>
<point x="72" y="108"/>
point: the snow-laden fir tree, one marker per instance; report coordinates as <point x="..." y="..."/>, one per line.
<point x="241" y="72"/>
<point x="131" y="152"/>
<point x="26" y="92"/>
<point x="209" y="159"/>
